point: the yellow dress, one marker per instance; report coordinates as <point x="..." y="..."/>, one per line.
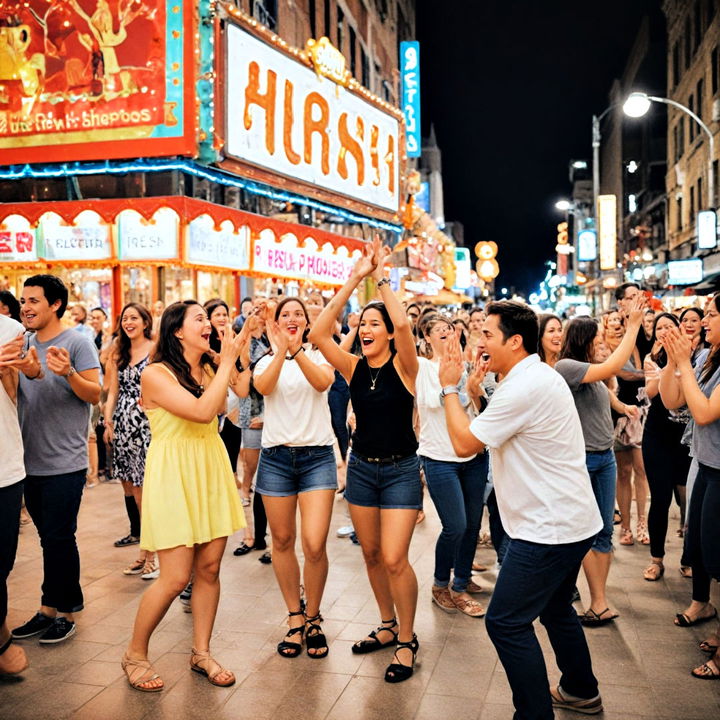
<point x="189" y="493"/>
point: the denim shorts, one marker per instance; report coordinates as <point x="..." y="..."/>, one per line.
<point x="384" y="485"/>
<point x="284" y="471"/>
<point x="603" y="475"/>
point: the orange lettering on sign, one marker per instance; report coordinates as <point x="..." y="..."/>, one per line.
<point x="319" y="126"/>
<point x="390" y="162"/>
<point x="351" y="145"/>
<point x="374" y="154"/>
<point x="253" y="96"/>
<point x="291" y="155"/>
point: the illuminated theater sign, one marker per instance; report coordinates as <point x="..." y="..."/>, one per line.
<point x="300" y="116"/>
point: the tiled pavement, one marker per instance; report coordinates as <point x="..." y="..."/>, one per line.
<point x="642" y="660"/>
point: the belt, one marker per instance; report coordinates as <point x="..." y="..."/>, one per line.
<point x="391" y="458"/>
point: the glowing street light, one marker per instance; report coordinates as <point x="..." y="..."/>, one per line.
<point x="563" y="205"/>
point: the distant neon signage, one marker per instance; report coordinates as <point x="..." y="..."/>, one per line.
<point x="587" y="246"/>
<point x="410" y="74"/>
<point x="607" y="215"/>
<point x="707" y="230"/>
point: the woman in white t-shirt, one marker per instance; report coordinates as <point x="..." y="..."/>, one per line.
<point x="456" y="485"/>
<point x="297" y="469"/>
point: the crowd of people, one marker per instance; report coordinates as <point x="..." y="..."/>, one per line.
<point x="555" y="426"/>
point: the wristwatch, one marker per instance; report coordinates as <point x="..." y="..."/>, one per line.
<point x="382" y="282"/>
<point x="449" y="390"/>
<point x="70" y="372"/>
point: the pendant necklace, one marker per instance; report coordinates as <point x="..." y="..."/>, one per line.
<point x="373" y="380"/>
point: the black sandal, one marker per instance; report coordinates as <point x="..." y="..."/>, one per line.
<point x="289" y="649"/>
<point x="315" y="638"/>
<point x="397" y="672"/>
<point x="361" y="647"/>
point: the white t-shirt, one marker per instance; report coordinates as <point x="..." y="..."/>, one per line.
<point x="434" y="441"/>
<point x="295" y="413"/>
<point x="11" y="444"/>
<point x="538" y="457"/>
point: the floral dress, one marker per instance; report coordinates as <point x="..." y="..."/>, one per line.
<point x="132" y="429"/>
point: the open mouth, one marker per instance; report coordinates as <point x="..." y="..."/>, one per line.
<point x="367" y="342"/>
<point x="485" y="357"/>
<point x="205" y="335"/>
<point x="292" y="329"/>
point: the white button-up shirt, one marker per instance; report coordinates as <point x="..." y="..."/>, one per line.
<point x="537" y="452"/>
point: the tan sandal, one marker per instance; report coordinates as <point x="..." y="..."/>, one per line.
<point x="626" y="536"/>
<point x="201" y="662"/>
<point x="642" y="532"/>
<point x="654" y="571"/>
<point x="139" y="673"/>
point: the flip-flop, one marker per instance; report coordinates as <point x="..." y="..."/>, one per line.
<point x="683" y="620"/>
<point x="592" y="619"/>
<point x="707" y="647"/>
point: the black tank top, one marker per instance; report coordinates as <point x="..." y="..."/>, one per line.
<point x="384" y="415"/>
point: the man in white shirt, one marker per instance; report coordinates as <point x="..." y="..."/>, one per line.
<point x="12" y="657"/>
<point x="547" y="508"/>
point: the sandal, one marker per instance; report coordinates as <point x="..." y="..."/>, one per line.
<point x="684" y="620"/>
<point x="139" y="673"/>
<point x="127" y="540"/>
<point x="290" y="649"/>
<point x="642" y="532"/>
<point x="137" y="567"/>
<point x="626" y="536"/>
<point x="315" y="638"/>
<point x="362" y="647"/>
<point x="592" y="619"/>
<point x="397" y="672"/>
<point x="654" y="571"/>
<point x="617" y="517"/>
<point x="705" y="672"/>
<point x="201" y="662"/>
<point x="244" y="549"/>
<point x="708" y="647"/>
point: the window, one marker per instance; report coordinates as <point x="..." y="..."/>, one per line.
<point x="365" y="68"/>
<point x="312" y="10"/>
<point x="675" y="147"/>
<point x="699" y="193"/>
<point x="699" y="97"/>
<point x="687" y="40"/>
<point x="716" y="178"/>
<point x="327" y="19"/>
<point x="676" y="64"/>
<point x="692" y="201"/>
<point x="353" y="52"/>
<point x="340" y="23"/>
<point x="714" y="71"/>
<point x="681" y="137"/>
<point x="691" y="125"/>
<point x="265" y="12"/>
<point x="679" y="213"/>
<point x="699" y="27"/>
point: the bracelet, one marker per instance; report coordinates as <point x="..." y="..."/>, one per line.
<point x="292" y="357"/>
<point x="382" y="282"/>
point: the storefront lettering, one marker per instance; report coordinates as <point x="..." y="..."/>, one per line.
<point x="61" y="242"/>
<point x="18" y="242"/>
<point x="298" y="263"/>
<point x="143" y="242"/>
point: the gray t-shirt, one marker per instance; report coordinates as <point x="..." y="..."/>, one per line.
<point x="706" y="438"/>
<point x="592" y="401"/>
<point x="53" y="419"/>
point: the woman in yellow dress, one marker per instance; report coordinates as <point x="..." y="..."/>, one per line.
<point x="190" y="503"/>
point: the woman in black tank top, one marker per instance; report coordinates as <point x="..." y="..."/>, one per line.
<point x="383" y="477"/>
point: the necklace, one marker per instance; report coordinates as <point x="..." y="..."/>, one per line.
<point x="373" y="380"/>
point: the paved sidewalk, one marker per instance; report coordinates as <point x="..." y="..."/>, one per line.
<point x="642" y="660"/>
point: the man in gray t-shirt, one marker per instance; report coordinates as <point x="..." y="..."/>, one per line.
<point x="58" y="384"/>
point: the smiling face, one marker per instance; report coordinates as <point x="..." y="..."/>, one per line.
<point x="373" y="334"/>
<point x="37" y="313"/>
<point x="499" y="349"/>
<point x="662" y="327"/>
<point x="552" y="337"/>
<point x="219" y="318"/>
<point x="132" y="323"/>
<point x="292" y="320"/>
<point x="196" y="329"/>
<point x="438" y="332"/>
<point x="614" y="323"/>
<point x="691" y="323"/>
<point x="711" y="323"/>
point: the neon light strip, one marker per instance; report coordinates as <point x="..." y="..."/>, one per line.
<point x="15" y="172"/>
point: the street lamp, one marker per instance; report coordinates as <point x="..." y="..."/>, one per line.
<point x="563" y="205"/>
<point x="638" y="104"/>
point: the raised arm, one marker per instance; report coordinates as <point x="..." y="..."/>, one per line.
<point x="614" y="364"/>
<point x="403" y="336"/>
<point x="321" y="332"/>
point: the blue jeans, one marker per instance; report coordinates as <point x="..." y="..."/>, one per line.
<point x="538" y="581"/>
<point x="457" y="489"/>
<point x="53" y="502"/>
<point x="286" y="470"/>
<point x="603" y="475"/>
<point x="703" y="527"/>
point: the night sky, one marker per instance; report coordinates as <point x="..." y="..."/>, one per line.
<point x="511" y="87"/>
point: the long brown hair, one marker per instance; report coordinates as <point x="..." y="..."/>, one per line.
<point x="124" y="345"/>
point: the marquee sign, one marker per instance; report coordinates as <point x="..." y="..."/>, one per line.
<point x="286" y="116"/>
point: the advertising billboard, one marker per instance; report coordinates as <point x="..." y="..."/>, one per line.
<point x="685" y="272"/>
<point x="410" y="77"/>
<point x="607" y="216"/>
<point x="707" y="230"/>
<point x="95" y="79"/>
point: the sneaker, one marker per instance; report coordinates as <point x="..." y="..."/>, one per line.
<point x="467" y="606"/>
<point x="441" y="597"/>
<point x="561" y="699"/>
<point x="345" y="531"/>
<point x="36" y="625"/>
<point x="127" y="540"/>
<point x="60" y="630"/>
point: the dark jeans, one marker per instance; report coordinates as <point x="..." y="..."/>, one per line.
<point x="10" y="503"/>
<point x="666" y="467"/>
<point x="458" y="491"/>
<point x="498" y="536"/>
<point x="538" y="581"/>
<point x="338" y="400"/>
<point x="53" y="502"/>
<point x="703" y="538"/>
<point x="231" y="436"/>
